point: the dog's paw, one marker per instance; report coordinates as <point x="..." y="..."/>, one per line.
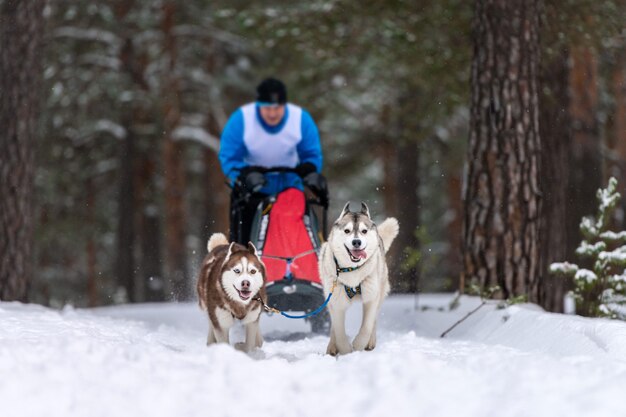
<point x="372" y="343"/>
<point x="335" y="349"/>
<point x="332" y="349"/>
<point x="360" y="343"/>
<point x="242" y="347"/>
<point x="344" y="348"/>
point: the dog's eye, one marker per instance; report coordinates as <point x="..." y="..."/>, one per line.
<point x="346" y="231"/>
<point x="364" y="231"/>
<point x="236" y="270"/>
<point x="252" y="272"/>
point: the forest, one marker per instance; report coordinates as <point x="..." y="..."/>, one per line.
<point x="485" y="127"/>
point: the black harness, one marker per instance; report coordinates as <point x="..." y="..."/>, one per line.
<point x="350" y="292"/>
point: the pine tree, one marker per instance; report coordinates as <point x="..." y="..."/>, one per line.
<point x="502" y="197"/>
<point x="601" y="290"/>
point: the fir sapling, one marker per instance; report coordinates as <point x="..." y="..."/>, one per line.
<point x="600" y="284"/>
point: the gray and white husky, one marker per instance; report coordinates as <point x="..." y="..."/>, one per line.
<point x="354" y="258"/>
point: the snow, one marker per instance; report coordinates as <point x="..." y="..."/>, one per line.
<point x="613" y="237"/>
<point x="587" y="275"/>
<point x="617" y="257"/>
<point x="150" y="360"/>
<point x="563" y="268"/>
<point x="588" y="249"/>
<point x="589" y="226"/>
<point x="608" y="196"/>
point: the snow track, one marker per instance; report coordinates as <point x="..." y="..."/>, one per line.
<point x="150" y="360"/>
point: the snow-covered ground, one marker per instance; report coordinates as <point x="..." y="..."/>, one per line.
<point x="151" y="360"/>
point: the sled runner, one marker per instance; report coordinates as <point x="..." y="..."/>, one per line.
<point x="287" y="234"/>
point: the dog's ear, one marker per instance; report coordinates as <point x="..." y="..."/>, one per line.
<point x="346" y="210"/>
<point x="231" y="247"/>
<point x="252" y="249"/>
<point x="365" y="210"/>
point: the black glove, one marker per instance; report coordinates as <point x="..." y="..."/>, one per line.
<point x="252" y="179"/>
<point x="317" y="183"/>
<point x="305" y="169"/>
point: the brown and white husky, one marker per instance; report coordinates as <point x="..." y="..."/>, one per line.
<point x="231" y="280"/>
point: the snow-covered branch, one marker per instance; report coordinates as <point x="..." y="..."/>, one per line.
<point x="587" y="249"/>
<point x="108" y="126"/>
<point x="100" y="60"/>
<point x="197" y="134"/>
<point x="98" y="35"/>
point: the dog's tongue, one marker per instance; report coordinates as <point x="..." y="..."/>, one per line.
<point x="358" y="253"/>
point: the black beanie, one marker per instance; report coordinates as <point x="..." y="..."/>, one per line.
<point x="272" y="91"/>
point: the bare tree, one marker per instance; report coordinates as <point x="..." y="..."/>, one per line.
<point x="502" y="198"/>
<point x="21" y="28"/>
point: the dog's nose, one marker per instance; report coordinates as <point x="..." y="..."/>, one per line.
<point x="245" y="285"/>
<point x="356" y="243"/>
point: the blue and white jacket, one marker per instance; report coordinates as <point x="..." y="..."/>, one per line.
<point x="248" y="141"/>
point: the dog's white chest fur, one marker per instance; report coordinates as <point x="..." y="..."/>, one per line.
<point x="224" y="317"/>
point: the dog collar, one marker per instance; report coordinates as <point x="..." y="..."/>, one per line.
<point x="339" y="269"/>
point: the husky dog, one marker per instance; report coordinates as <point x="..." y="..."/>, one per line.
<point x="354" y="256"/>
<point x="230" y="282"/>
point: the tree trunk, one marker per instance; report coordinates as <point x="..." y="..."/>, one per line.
<point x="455" y="227"/>
<point x="125" y="260"/>
<point x="408" y="216"/>
<point x="388" y="153"/>
<point x="139" y="220"/>
<point x="618" y="144"/>
<point x="125" y="267"/>
<point x="585" y="175"/>
<point x="21" y="28"/>
<point x="175" y="234"/>
<point x="502" y="199"/>
<point x="556" y="136"/>
<point x="151" y="264"/>
<point x="90" y="216"/>
<point x="216" y="197"/>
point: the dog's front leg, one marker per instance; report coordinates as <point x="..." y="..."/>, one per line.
<point x="372" y="343"/>
<point x="211" y="337"/>
<point x="338" y="340"/>
<point x="370" y="309"/>
<point x="332" y="346"/>
<point x="259" y="339"/>
<point x="222" y="335"/>
<point x="252" y="335"/>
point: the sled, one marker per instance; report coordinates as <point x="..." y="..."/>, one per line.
<point x="287" y="234"/>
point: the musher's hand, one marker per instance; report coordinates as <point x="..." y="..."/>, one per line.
<point x="317" y="183"/>
<point x="252" y="179"/>
<point x="305" y="169"/>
